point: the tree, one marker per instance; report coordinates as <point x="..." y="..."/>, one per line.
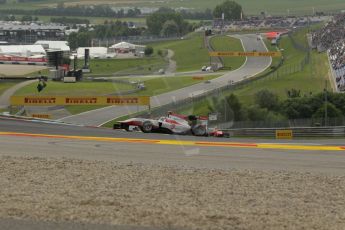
<point x="73" y="40"/>
<point x="169" y="29"/>
<point x="332" y="111"/>
<point x="148" y="51"/>
<point x="266" y="99"/>
<point x="231" y="10"/>
<point x="156" y="21"/>
<point x="26" y="18"/>
<point x="81" y="39"/>
<point x="230" y="107"/>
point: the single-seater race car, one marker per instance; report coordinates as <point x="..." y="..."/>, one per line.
<point x="217" y="133"/>
<point x="171" y="124"/>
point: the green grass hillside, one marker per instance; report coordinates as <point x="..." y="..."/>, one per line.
<point x="311" y="79"/>
<point x="226" y="43"/>
<point x="190" y="53"/>
<point x="5" y="85"/>
<point x="133" y="65"/>
<point x="77" y="89"/>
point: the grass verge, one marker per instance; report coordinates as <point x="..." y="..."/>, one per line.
<point x="226" y="43"/>
<point x="133" y="65"/>
<point x="77" y="89"/>
<point x="6" y="85"/>
<point x="311" y="79"/>
<point x="189" y="54"/>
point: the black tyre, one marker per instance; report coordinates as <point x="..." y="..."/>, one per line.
<point x="146" y="127"/>
<point x="125" y="127"/>
<point x="199" y="130"/>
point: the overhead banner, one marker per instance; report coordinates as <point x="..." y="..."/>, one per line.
<point x="75" y="100"/>
<point x="244" y="54"/>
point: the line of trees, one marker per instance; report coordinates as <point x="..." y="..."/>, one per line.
<point x="69" y="21"/>
<point x="167" y="22"/>
<point x="78" y="10"/>
<point x="231" y="10"/>
<point x="268" y="106"/>
<point x="106" y="31"/>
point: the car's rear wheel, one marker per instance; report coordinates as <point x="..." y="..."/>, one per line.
<point x="125" y="127"/>
<point x="199" y="130"/>
<point x="146" y="127"/>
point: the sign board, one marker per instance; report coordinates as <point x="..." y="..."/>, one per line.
<point x="213" y="116"/>
<point x="69" y="80"/>
<point x="41" y="116"/>
<point x="244" y="54"/>
<point x="22" y="59"/>
<point x="284" y="134"/>
<point x="78" y="100"/>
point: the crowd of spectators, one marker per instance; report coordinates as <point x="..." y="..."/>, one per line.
<point x="332" y="38"/>
<point x="333" y="32"/>
<point x="267" y="22"/>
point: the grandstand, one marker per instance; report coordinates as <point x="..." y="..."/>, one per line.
<point x="331" y="38"/>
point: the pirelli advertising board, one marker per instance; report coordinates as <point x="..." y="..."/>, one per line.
<point x="75" y="100"/>
<point x="284" y="134"/>
<point x="244" y="54"/>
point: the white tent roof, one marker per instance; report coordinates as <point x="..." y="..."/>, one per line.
<point x="55" y="45"/>
<point x="23" y="50"/>
<point x="94" y="51"/>
<point x="123" y="45"/>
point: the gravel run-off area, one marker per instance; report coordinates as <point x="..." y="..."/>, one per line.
<point x="15" y="70"/>
<point x="177" y="198"/>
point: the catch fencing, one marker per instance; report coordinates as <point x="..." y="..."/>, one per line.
<point x="321" y="132"/>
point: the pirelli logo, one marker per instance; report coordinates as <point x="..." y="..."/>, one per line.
<point x="41" y="116"/>
<point x="81" y="101"/>
<point x="71" y="100"/>
<point x="40" y="100"/>
<point x="118" y="101"/>
<point x="244" y="54"/>
<point x="284" y="134"/>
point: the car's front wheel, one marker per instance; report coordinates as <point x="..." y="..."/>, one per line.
<point x="146" y="127"/>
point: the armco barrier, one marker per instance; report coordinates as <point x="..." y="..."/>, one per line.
<point x="338" y="131"/>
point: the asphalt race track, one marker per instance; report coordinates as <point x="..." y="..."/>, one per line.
<point x="252" y="67"/>
<point x="25" y="138"/>
<point x="38" y="157"/>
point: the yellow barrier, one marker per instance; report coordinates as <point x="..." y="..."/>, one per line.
<point x="76" y="100"/>
<point x="284" y="134"/>
<point x="244" y="54"/>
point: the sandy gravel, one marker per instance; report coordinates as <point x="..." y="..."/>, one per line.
<point x="149" y="195"/>
<point x="15" y="70"/>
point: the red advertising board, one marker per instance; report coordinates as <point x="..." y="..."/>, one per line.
<point x="22" y="59"/>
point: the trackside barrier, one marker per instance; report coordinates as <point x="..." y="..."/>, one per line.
<point x="338" y="131"/>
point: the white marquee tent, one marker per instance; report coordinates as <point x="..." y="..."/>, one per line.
<point x="55" y="45"/>
<point x="22" y="50"/>
<point x="95" y="52"/>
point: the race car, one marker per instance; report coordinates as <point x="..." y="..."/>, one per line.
<point x="171" y="124"/>
<point x="217" y="133"/>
